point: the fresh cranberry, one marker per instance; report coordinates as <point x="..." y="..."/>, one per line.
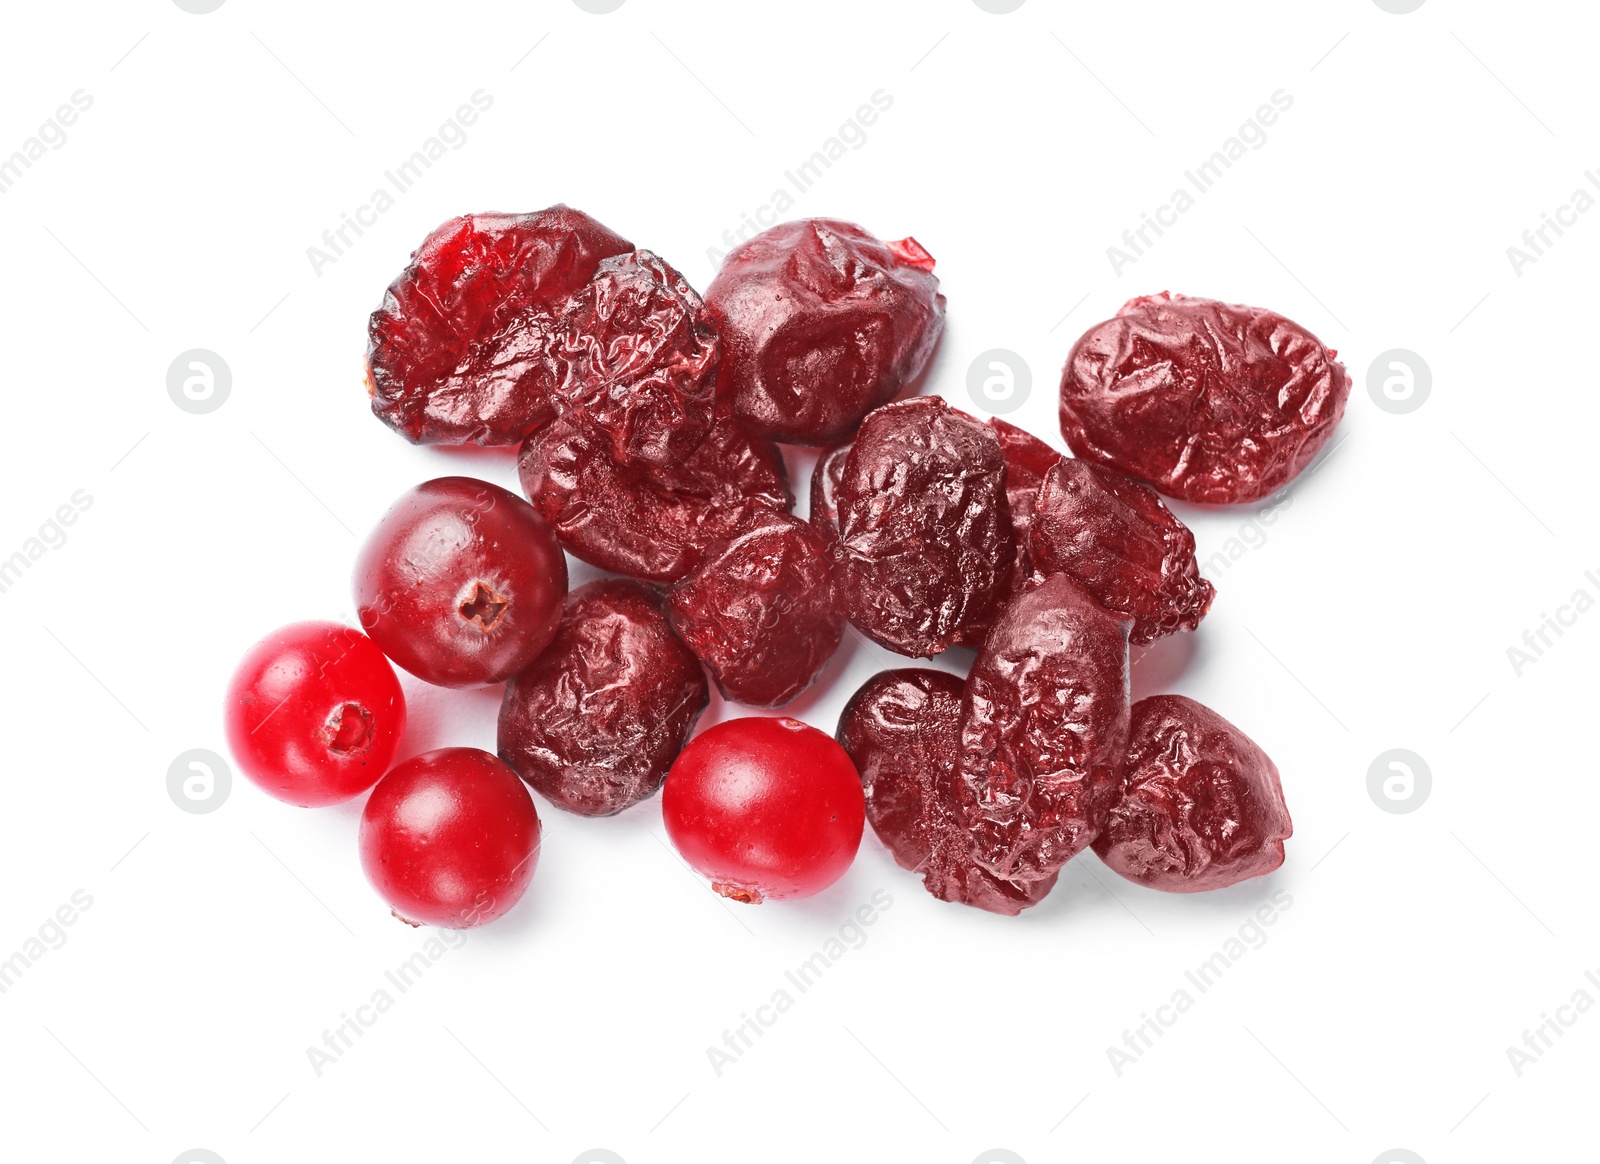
<point x="766" y="808"/>
<point x="314" y="713"/>
<point x="822" y="323"/>
<point x="450" y="838"/>
<point x="461" y="582"/>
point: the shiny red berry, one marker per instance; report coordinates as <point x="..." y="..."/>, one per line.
<point x="450" y="838"/>
<point x="461" y="583"/>
<point x="314" y="713"/>
<point x="765" y="808"/>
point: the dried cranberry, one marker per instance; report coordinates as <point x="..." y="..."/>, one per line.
<point x="1203" y="807"/>
<point x="458" y="352"/>
<point x="643" y="520"/>
<point x="1045" y="730"/>
<point x="1027" y="459"/>
<point x="822" y="323"/>
<point x="903" y="731"/>
<point x="925" y="543"/>
<point x="638" y="355"/>
<point x="759" y="609"/>
<point x="1116" y="539"/>
<point x="596" y="722"/>
<point x="825" y="477"/>
<point x="1207" y="401"/>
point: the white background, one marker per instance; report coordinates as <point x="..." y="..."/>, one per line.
<point x="1376" y="614"/>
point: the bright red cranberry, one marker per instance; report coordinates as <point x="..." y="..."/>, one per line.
<point x="1207" y="401"/>
<point x="314" y="713"/>
<point x="766" y="808"/>
<point x="1202" y="808"/>
<point x="597" y="720"/>
<point x="821" y="323"/>
<point x="461" y="583"/>
<point x="450" y="838"/>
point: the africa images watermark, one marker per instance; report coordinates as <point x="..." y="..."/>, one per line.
<point x="1539" y="1040"/>
<point x="51" y="535"/>
<point x="852" y="135"/>
<point x="52" y="135"/>
<point x="850" y="935"/>
<point x="1252" y="935"/>
<point x="51" y="935"/>
<point x="1538" y="639"/>
<point x="1537" y="240"/>
<point x="452" y="135"/>
<point x="1202" y="179"/>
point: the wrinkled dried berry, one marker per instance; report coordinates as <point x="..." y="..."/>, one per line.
<point x="821" y="324"/>
<point x="595" y="723"/>
<point x="459" y="351"/>
<point x="925" y="545"/>
<point x="1045" y="730"/>
<point x="903" y="731"/>
<point x="759" y="609"/>
<point x="1203" y="807"/>
<point x="649" y="522"/>
<point x="1027" y="459"/>
<point x="825" y="477"/>
<point x="1207" y="401"/>
<point x="1118" y="540"/>
<point x="638" y="354"/>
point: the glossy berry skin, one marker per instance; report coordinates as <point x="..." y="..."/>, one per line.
<point x="314" y="713"/>
<point x="1044" y="731"/>
<point x="825" y="477"/>
<point x="759" y="610"/>
<point x="460" y="350"/>
<point x="450" y="838"/>
<point x="903" y="730"/>
<point x="821" y="323"/>
<point x="765" y="808"/>
<point x="1203" y="807"/>
<point x="643" y="520"/>
<point x="595" y="723"/>
<point x="1208" y="402"/>
<point x="461" y="583"/>
<point x="1117" y="539"/>
<point x="926" y="551"/>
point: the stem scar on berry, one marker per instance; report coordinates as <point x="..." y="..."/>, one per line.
<point x="484" y="606"/>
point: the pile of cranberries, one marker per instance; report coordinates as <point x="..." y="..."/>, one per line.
<point x="644" y="417"/>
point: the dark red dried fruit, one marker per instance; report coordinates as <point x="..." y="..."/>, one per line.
<point x="903" y="731"/>
<point x="1203" y="807"/>
<point x="638" y="354"/>
<point x="925" y="545"/>
<point x="649" y="522"/>
<point x="1207" y="401"/>
<point x="595" y="723"/>
<point x="1027" y="459"/>
<point x="821" y="324"/>
<point x="459" y="351"/>
<point x="759" y="609"/>
<point x="825" y="477"/>
<point x="1118" y="540"/>
<point x="1045" y="731"/>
